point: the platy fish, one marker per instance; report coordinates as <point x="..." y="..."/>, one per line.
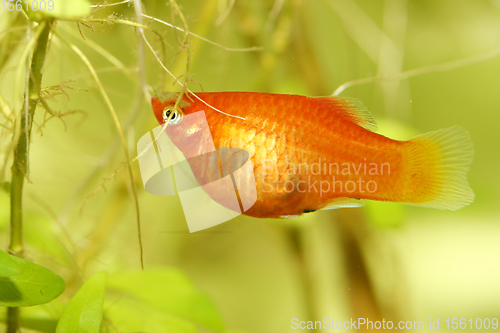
<point x="311" y="153"/>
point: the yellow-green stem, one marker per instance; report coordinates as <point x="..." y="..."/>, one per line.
<point x="20" y="164"/>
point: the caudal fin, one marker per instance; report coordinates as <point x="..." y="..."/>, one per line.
<point x="437" y="166"/>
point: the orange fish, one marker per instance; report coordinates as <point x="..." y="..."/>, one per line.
<point x="311" y="153"/>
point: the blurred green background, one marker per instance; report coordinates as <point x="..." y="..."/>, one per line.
<point x="381" y="261"/>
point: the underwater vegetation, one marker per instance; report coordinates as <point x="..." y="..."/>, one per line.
<point x="85" y="248"/>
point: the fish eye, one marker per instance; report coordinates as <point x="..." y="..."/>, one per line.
<point x="172" y="115"/>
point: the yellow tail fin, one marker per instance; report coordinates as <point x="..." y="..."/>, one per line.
<point x="437" y="166"/>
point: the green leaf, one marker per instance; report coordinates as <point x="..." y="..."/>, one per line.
<point x="170" y="291"/>
<point x="8" y="267"/>
<point x="131" y="314"/>
<point x="57" y="9"/>
<point x="84" y="311"/>
<point x="32" y="286"/>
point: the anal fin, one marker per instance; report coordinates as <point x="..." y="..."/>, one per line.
<point x="343" y="203"/>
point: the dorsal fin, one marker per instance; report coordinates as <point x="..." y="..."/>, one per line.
<point x="352" y="110"/>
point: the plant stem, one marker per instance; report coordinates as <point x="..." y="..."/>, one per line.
<point x="20" y="163"/>
<point x="12" y="320"/>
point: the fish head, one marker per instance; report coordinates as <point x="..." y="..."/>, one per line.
<point x="164" y="104"/>
<point x="190" y="134"/>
